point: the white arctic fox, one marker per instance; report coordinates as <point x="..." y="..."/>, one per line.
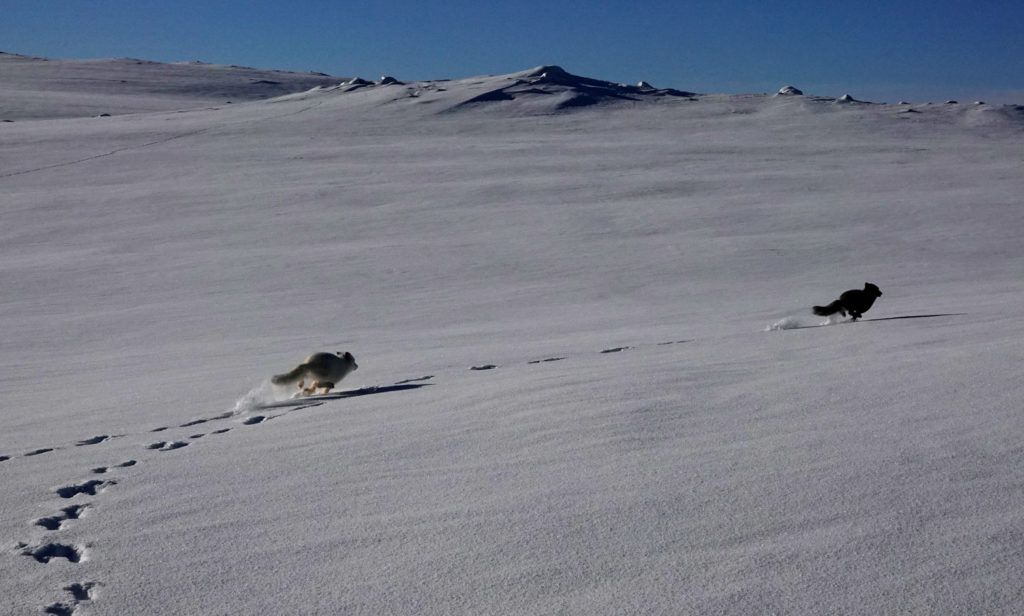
<point x="323" y="369"/>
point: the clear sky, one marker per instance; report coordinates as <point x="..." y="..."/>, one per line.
<point x="874" y="50"/>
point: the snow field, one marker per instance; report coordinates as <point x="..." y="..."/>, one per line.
<point x="661" y="454"/>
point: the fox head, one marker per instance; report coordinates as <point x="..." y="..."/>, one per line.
<point x="872" y="289"/>
<point x="348" y="359"/>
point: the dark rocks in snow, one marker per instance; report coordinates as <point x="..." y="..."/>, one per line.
<point x="570" y="90"/>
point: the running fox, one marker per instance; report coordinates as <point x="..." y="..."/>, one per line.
<point x="854" y="301"/>
<point x="323" y="369"/>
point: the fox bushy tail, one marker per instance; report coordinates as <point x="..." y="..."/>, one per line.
<point x="287" y="377"/>
<point x="824" y="311"/>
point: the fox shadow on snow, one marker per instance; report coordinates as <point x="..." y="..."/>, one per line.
<point x="896" y="318"/>
<point x="918" y="316"/>
<point x="365" y="391"/>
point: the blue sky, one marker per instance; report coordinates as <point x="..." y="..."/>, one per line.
<point x="874" y="50"/>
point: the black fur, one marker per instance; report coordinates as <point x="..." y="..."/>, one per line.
<point x="855" y="301"/>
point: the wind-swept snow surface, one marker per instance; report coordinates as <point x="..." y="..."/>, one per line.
<point x="35" y="88"/>
<point x="567" y="402"/>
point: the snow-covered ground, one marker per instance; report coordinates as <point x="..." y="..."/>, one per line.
<point x="701" y="445"/>
<point x="40" y="88"/>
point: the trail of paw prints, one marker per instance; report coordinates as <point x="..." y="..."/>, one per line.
<point x="202" y="420"/>
<point x="164" y="446"/>
<point x="103" y="438"/>
<point x="80" y="593"/>
<point x="547" y="360"/>
<point x="170" y="446"/>
<point x="47" y="551"/>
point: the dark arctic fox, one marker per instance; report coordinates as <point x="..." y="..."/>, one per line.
<point x="854" y="301"/>
<point x="324" y="370"/>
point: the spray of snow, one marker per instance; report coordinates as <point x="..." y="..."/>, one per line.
<point x="786" y="323"/>
<point x="796" y="323"/>
<point x="263" y="394"/>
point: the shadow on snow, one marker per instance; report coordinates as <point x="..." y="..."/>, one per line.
<point x="907" y="316"/>
<point x="365" y="391"/>
<point x="919" y="316"/>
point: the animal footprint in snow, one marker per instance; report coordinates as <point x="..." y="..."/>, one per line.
<point x="615" y="349"/>
<point x="254" y="420"/>
<point x="538" y="361"/>
<point x="39" y="451"/>
<point x="483" y="367"/>
<point x="99" y="470"/>
<point x="90" y="487"/>
<point x="60" y="609"/>
<point x="4" y="458"/>
<point x="421" y="378"/>
<point x="79" y="593"/>
<point x="165" y="446"/>
<point x="48" y="551"/>
<point x="93" y="441"/>
<point x="56" y="522"/>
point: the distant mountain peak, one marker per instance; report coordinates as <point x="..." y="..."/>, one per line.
<point x="561" y="89"/>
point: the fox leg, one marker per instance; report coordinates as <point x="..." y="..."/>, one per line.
<point x="326" y="386"/>
<point x="312" y="388"/>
